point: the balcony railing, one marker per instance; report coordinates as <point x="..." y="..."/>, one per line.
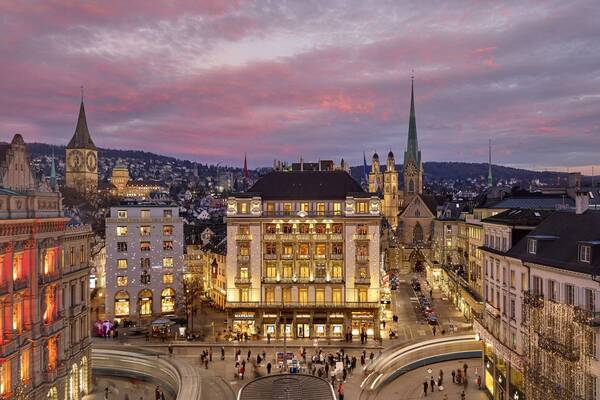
<point x="21" y="283"/>
<point x="303" y="256"/>
<point x="358" y="236"/>
<point x="51" y="328"/>
<point x="242" y="280"/>
<point x="303" y="237"/>
<point x="270" y="236"/>
<point x="305" y="213"/>
<point x="243" y="238"/>
<point x="495" y="312"/>
<point x="241" y="258"/>
<point x="301" y="305"/>
<point x="49" y="277"/>
<point x="336" y="236"/>
<point x="320" y="236"/>
<point x="362" y="259"/>
<point x="362" y="281"/>
<point x="287" y="256"/>
<point x="270" y="256"/>
<point x="335" y="256"/>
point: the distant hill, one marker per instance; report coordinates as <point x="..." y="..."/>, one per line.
<point x="43" y="149"/>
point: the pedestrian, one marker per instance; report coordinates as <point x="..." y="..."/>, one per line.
<point x="210" y="354"/>
<point x="434" y="330"/>
<point x="269" y="366"/>
<point x="425" y="388"/>
<point x="106" y="393"/>
<point x="222" y="353"/>
<point x="478" y="382"/>
<point x="453" y="376"/>
<point x="268" y="338"/>
<point x="206" y="363"/>
<point x="147" y="336"/>
<point x="157" y="393"/>
<point x="462" y="395"/>
<point x="441" y="377"/>
<point x="170" y="350"/>
<point x="465" y="366"/>
<point x="249" y="354"/>
<point x="344" y="375"/>
<point x="431" y="384"/>
<point x="341" y="391"/>
<point x="371" y="356"/>
<point x="162" y="396"/>
<point x="431" y="293"/>
<point x="242" y="370"/>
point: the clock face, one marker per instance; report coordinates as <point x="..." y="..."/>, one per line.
<point x="91" y="162"/>
<point x="411" y="169"/>
<point x="75" y="160"/>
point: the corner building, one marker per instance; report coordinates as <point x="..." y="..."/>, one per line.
<point x="303" y="257"/>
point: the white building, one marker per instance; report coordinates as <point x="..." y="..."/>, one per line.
<point x="144" y="247"/>
<point x="303" y="256"/>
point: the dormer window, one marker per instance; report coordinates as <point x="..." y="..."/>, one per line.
<point x="532" y="246"/>
<point x="585" y="253"/>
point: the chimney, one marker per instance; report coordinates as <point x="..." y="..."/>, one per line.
<point x="582" y="202"/>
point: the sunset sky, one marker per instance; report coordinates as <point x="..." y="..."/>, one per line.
<point x="210" y="80"/>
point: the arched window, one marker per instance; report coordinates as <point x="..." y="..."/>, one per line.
<point x="52" y="394"/>
<point x="122" y="304"/>
<point x="167" y="300"/>
<point x="74" y="383"/>
<point x="145" y="302"/>
<point x="417" y="233"/>
<point x="83" y="375"/>
<point x="411" y="186"/>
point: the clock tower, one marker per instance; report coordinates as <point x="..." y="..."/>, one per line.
<point x="413" y="168"/>
<point x="81" y="171"/>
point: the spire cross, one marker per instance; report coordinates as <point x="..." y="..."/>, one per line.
<point x="412" y="74"/>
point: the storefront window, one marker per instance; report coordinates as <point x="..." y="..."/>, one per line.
<point x="122" y="304"/>
<point x="145" y="300"/>
<point x="167" y="300"/>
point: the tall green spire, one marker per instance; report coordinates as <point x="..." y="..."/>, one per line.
<point x="53" y="173"/>
<point x="490" y="181"/>
<point x="412" y="152"/>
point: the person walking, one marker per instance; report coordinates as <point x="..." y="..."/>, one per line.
<point x="431" y="384"/>
<point x="453" y="376"/>
<point x="441" y="377"/>
<point x="425" y="386"/>
<point x="170" y="350"/>
<point x="465" y="366"/>
<point x="210" y="354"/>
<point x="434" y="330"/>
<point x="341" y="391"/>
<point x="106" y="393"/>
<point x="268" y="338"/>
<point x="222" y="353"/>
<point x="269" y="366"/>
<point x="431" y="293"/>
<point x="206" y="363"/>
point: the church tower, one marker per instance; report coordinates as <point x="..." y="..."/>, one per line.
<point x="375" y="176"/>
<point x="391" y="201"/>
<point x="413" y="167"/>
<point x="81" y="172"/>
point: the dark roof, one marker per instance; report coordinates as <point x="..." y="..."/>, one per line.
<point x="306" y="185"/>
<point x="519" y="217"/>
<point x="537" y="202"/>
<point x="81" y="138"/>
<point x="558" y="238"/>
<point x="431" y="203"/>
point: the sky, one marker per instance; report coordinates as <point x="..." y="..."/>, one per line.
<point x="210" y="80"/>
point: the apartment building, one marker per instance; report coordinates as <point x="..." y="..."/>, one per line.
<point x="144" y="265"/>
<point x="44" y="334"/>
<point x="541" y="323"/>
<point x="303" y="257"/>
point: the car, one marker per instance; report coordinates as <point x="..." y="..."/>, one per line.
<point x="432" y="319"/>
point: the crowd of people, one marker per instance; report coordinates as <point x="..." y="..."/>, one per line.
<point x="459" y="377"/>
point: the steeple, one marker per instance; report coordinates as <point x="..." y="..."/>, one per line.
<point x="412" y="148"/>
<point x="81" y="138"/>
<point x="53" y="174"/>
<point x="490" y="181"/>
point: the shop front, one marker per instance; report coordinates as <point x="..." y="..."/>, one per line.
<point x="303" y="325"/>
<point x="363" y="322"/>
<point x="320" y="325"/>
<point x="286" y="325"/>
<point x="336" y="327"/>
<point x="269" y="322"/>
<point x="244" y="322"/>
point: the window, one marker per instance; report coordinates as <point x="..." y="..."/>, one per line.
<point x="243" y="273"/>
<point x="337" y="208"/>
<point x="336" y="296"/>
<point x="538" y="284"/>
<point x="168" y="213"/>
<point x="5" y="383"/>
<point x="167" y="279"/>
<point x="288" y="270"/>
<point x="144" y="230"/>
<point x="122" y="214"/>
<point x="362" y="207"/>
<point x="304" y="228"/>
<point x="304" y="270"/>
<point x="590" y="301"/>
<point x="243" y="250"/>
<point x="417" y="233"/>
<point x="362" y="251"/>
<point x="287" y="208"/>
<point x="304" y="249"/>
<point x="121" y="231"/>
<point x="121" y="280"/>
<point x="362" y="295"/>
<point x="570" y="294"/>
<point x="271" y="270"/>
<point x="167" y="245"/>
<point x="243" y="208"/>
<point x="363" y="272"/>
<point x="362" y="229"/>
<point x="513" y="309"/>
<point x="25" y="365"/>
<point x="320" y="208"/>
<point x="303" y="296"/>
<point x="287" y="295"/>
<point x="243" y="230"/>
<point x="504" y="244"/>
<point x="513" y="279"/>
<point x="287" y="228"/>
<point x="304" y="207"/>
<point x="244" y="295"/>
<point x="168" y="262"/>
<point x="167" y="300"/>
<point x="145" y="302"/>
<point x="270" y="208"/>
<point x="320" y="249"/>
<point x="72" y="256"/>
<point x="320" y="296"/>
<point x="122" y="263"/>
<point x="320" y="228"/>
<point x="320" y="271"/>
<point x="270" y="248"/>
<point x="336" y="270"/>
<point x="121" y="304"/>
<point x="121" y="246"/>
<point x="144" y="213"/>
<point x="270" y="228"/>
<point x="270" y="295"/>
<point x="552" y="290"/>
<point x="337" y="228"/>
<point x="337" y="248"/>
<point x="167" y="230"/>
<point x="145" y="262"/>
<point x="144" y="246"/>
<point x="532" y="246"/>
<point x="288" y="249"/>
<point x="585" y="253"/>
<point x="145" y="278"/>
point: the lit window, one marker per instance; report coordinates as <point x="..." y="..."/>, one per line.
<point x="532" y="246"/>
<point x="304" y="249"/>
<point x="362" y="207"/>
<point x="82" y="254"/>
<point x="243" y="208"/>
<point x="145" y="302"/>
<point x="121" y="231"/>
<point x="270" y="295"/>
<point x="320" y="208"/>
<point x="5" y="384"/>
<point x="288" y="270"/>
<point x="244" y="295"/>
<point x="167" y="279"/>
<point x="303" y="296"/>
<point x="144" y="230"/>
<point x="320" y="296"/>
<point x="168" y="245"/>
<point x="17" y="315"/>
<point x="288" y="249"/>
<point x="121" y="246"/>
<point x="362" y="229"/>
<point x="271" y="270"/>
<point x="167" y="300"/>
<point x="25" y="365"/>
<point x="585" y="253"/>
<point x="304" y="207"/>
<point x="287" y="208"/>
<point x="320" y="249"/>
<point x="121" y="304"/>
<point x="121" y="280"/>
<point x="168" y="262"/>
<point x="243" y="250"/>
<point x="122" y="263"/>
<point x="145" y="262"/>
<point x="336" y="270"/>
<point x="337" y="228"/>
<point x="122" y="214"/>
<point x="270" y="228"/>
<point x="145" y="246"/>
<point x="362" y="295"/>
<point x="337" y="208"/>
<point x="336" y="296"/>
<point x="144" y="213"/>
<point x="270" y="208"/>
<point x="167" y="230"/>
<point x="52" y="347"/>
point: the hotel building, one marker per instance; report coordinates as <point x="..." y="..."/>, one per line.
<point x="303" y="256"/>
<point x="144" y="265"/>
<point x="44" y="263"/>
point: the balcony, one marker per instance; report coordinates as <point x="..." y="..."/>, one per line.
<point x="9" y="346"/>
<point x="358" y="236"/>
<point x="270" y="236"/>
<point x="495" y="312"/>
<point x="270" y="256"/>
<point x="242" y="259"/>
<point x="287" y="256"/>
<point x="49" y="277"/>
<point x="362" y="281"/>
<point x="336" y="237"/>
<point x="362" y="259"/>
<point x="269" y="280"/>
<point x="241" y="280"/>
<point x="320" y="236"/>
<point x="76" y="309"/>
<point x="287" y="236"/>
<point x="303" y="256"/>
<point x="319" y="256"/>
<point x="303" y="237"/>
<point x="336" y="256"/>
<point x="20" y="283"/>
<point x="243" y="238"/>
<point x="51" y="328"/>
<point x="303" y="305"/>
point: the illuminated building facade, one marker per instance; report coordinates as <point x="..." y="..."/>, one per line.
<point x="44" y="325"/>
<point x="144" y="263"/>
<point x="124" y="187"/>
<point x="303" y="257"/>
<point x="81" y="170"/>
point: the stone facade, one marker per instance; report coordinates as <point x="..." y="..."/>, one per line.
<point x="81" y="171"/>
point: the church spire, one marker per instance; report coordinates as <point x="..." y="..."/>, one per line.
<point x="412" y="149"/>
<point x="81" y="138"/>
<point x="490" y="181"/>
<point x="53" y="173"/>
